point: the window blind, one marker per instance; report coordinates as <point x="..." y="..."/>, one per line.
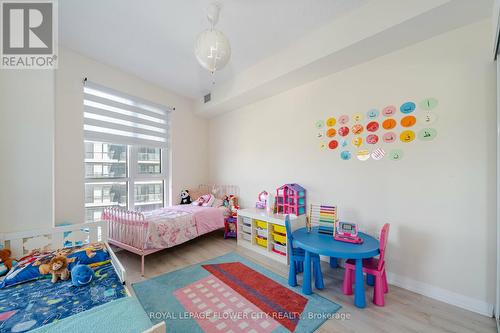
<point x="111" y="116"/>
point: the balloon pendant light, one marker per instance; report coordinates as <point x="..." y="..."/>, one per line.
<point x="212" y="48"/>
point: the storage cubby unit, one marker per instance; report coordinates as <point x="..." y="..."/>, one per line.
<point x="265" y="233"/>
<point x="245" y="229"/>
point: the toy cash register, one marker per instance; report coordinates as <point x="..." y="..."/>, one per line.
<point x="347" y="232"/>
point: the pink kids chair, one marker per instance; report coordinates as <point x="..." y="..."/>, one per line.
<point x="372" y="266"/>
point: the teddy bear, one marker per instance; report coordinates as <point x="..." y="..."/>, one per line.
<point x="59" y="268"/>
<point x="185" y="197"/>
<point x="5" y="258"/>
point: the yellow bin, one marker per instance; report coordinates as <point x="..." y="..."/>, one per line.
<point x="261" y="241"/>
<point x="261" y="224"/>
<point x="279" y="228"/>
<point x="279" y="238"/>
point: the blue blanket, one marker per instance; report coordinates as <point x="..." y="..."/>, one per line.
<point x="33" y="304"/>
<point x="124" y="315"/>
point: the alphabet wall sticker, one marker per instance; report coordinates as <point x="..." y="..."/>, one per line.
<point x="365" y="135"/>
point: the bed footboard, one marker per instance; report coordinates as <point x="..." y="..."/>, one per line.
<point x="129" y="231"/>
<point x="126" y="227"/>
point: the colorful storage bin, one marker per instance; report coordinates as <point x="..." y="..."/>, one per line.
<point x="280" y="238"/>
<point x="279" y="229"/>
<point x="261" y="224"/>
<point x="261" y="241"/>
<point x="279" y="248"/>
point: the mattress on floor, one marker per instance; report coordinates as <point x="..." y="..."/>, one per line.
<point x="33" y="304"/>
<point x="124" y="315"/>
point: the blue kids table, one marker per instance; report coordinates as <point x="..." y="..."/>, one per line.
<point x="326" y="245"/>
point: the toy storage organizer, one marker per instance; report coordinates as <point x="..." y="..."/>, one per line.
<point x="265" y="232"/>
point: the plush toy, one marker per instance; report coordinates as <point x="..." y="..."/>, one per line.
<point x="233" y="205"/>
<point x="185" y="197"/>
<point x="6" y="259"/>
<point x="81" y="275"/>
<point x="59" y="268"/>
<point x="225" y="201"/>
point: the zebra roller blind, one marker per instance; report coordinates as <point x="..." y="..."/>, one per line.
<point x="112" y="116"/>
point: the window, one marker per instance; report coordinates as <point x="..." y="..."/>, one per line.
<point x="126" y="150"/>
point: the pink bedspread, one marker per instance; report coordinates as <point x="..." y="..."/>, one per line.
<point x="206" y="218"/>
<point x="178" y="224"/>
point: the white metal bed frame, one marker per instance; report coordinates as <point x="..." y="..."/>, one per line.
<point x="21" y="243"/>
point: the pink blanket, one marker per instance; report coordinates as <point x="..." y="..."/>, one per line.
<point x="206" y="218"/>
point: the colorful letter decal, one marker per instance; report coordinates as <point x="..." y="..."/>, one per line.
<point x="372" y="139"/>
<point x="363" y="155"/>
<point x="407" y="136"/>
<point x="372" y="114"/>
<point x="429" y="103"/>
<point x="345" y="155"/>
<point x="320" y="134"/>
<point x="357" y="141"/>
<point x="408" y="107"/>
<point x="357" y="129"/>
<point x="396" y="154"/>
<point x="427" y="134"/>
<point x="408" y="121"/>
<point x="389" y="110"/>
<point x="331" y="132"/>
<point x="378" y="154"/>
<point x="330" y="122"/>
<point x="344" y="119"/>
<point x="372" y="126"/>
<point x="429" y="118"/>
<point x="343" y="131"/>
<point x="389" y="137"/>
<point x="320" y="124"/>
<point x="357" y="117"/>
<point x="333" y="144"/>
<point x="389" y="124"/>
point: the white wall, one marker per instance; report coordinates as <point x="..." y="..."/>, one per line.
<point x="440" y="199"/>
<point x="189" y="132"/>
<point x="26" y="149"/>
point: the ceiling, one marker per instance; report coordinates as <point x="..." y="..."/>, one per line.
<point x="154" y="39"/>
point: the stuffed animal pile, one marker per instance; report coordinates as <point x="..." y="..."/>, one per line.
<point x="231" y="204"/>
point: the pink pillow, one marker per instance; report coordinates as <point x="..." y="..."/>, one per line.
<point x="208" y="200"/>
<point x="205" y="200"/>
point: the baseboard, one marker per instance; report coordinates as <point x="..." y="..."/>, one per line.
<point x="440" y="294"/>
<point x="437" y="293"/>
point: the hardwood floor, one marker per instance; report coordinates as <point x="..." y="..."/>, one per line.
<point x="404" y="311"/>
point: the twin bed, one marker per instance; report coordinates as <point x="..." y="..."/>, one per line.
<point x="144" y="233"/>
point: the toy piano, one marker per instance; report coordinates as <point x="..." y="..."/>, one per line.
<point x="347" y="232"/>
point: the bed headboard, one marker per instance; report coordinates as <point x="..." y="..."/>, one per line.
<point x="220" y="190"/>
<point x="21" y="243"/>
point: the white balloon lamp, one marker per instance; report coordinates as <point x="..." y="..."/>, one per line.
<point x="212" y="48"/>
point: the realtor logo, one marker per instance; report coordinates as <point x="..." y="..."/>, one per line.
<point x="28" y="35"/>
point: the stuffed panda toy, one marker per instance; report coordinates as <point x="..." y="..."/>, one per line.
<point x="185" y="197"/>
